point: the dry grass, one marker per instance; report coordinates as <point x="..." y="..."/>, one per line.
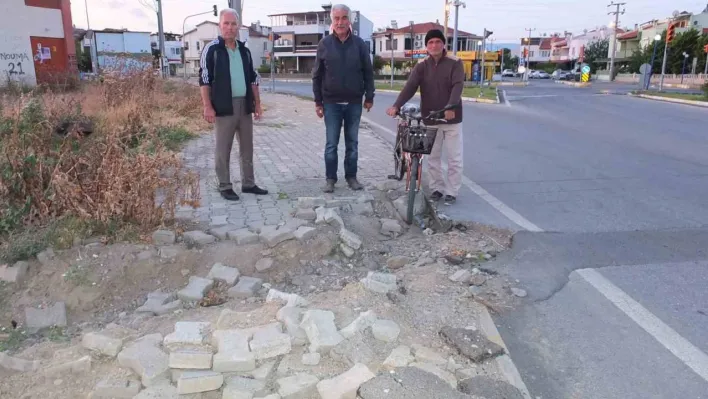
<point x="127" y="171"/>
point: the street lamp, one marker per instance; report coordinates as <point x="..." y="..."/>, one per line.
<point x="657" y="38"/>
<point x="683" y="68"/>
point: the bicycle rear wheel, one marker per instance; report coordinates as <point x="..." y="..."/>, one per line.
<point x="412" y="189"/>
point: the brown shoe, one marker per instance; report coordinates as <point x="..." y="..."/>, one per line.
<point x="329" y="186"/>
<point x="354" y="184"/>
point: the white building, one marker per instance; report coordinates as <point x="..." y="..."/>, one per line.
<point x="300" y="33"/>
<point x="173" y="50"/>
<point x="259" y="43"/>
<point x="409" y="42"/>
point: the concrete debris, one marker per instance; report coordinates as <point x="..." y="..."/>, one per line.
<point x="222" y="232"/>
<point x="354" y="350"/>
<point x="366" y="197"/>
<point x="471" y="344"/>
<point x="310" y="202"/>
<point x="438" y="372"/>
<point x="197" y="239"/>
<point x="519" y="292"/>
<point x="161" y="390"/>
<point x="287" y="299"/>
<point x="189" y="333"/>
<point x="241" y="387"/>
<point x="264" y="372"/>
<point x="478" y="280"/>
<point x="291" y="317"/>
<point x="461" y="276"/>
<point x="272" y="235"/>
<point x="268" y="343"/>
<point x="381" y="283"/>
<point x="350" y="239"/>
<point x="191" y="359"/>
<point x="14" y="274"/>
<point x="157" y="304"/>
<point x="79" y="366"/>
<point x="196" y="289"/>
<point x="397" y="262"/>
<point x="362" y="208"/>
<point x="390" y="227"/>
<point x="346" y="385"/>
<point x="264" y="264"/>
<point x="308" y="214"/>
<point x="348" y="252"/>
<point x="117" y="388"/>
<point x="17" y="364"/>
<point x="399" y="357"/>
<point x="243" y="237"/>
<point x="321" y="330"/>
<point x="427" y="355"/>
<point x="169" y="251"/>
<point x="385" y="330"/>
<point x="164" y="237"/>
<point x="230" y="361"/>
<point x="328" y="216"/>
<point x="304" y="233"/>
<point x="53" y="316"/>
<point x="102" y="344"/>
<point x="311" y="359"/>
<point x="228" y="275"/>
<point x="361" y="323"/>
<point x="246" y="287"/>
<point x="298" y="386"/>
<point x="146" y="360"/>
<point x="199" y="381"/>
<point x="408" y="383"/>
<point x="489" y="388"/>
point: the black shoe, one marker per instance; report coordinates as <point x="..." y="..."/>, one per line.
<point x="229" y="195"/>
<point x="449" y="200"/>
<point x="354" y="184"/>
<point x="436" y="196"/>
<point x="329" y="186"/>
<point x="254" y="190"/>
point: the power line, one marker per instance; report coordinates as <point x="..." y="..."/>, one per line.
<point x="616" y="13"/>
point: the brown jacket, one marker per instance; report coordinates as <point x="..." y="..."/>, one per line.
<point x="440" y="84"/>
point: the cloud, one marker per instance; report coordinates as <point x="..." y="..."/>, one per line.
<point x="115" y="3"/>
<point x="138" y="13"/>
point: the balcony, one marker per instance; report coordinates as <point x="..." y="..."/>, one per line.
<point x="304" y="48"/>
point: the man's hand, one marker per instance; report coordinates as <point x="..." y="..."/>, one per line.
<point x="368" y="105"/>
<point x="258" y="114"/>
<point x="449" y="115"/>
<point x="209" y="114"/>
<point x="320" y="111"/>
<point x="392" y="111"/>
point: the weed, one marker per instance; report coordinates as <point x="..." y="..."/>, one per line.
<point x="173" y="137"/>
<point x="76" y="275"/>
<point x="56" y="334"/>
<point x="704" y="87"/>
<point x="283" y="196"/>
<point x="11" y="339"/>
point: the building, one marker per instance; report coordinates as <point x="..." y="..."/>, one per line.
<point x="193" y="42"/>
<point x="408" y="43"/>
<point x="123" y="51"/>
<point x="259" y="43"/>
<point x="700" y="21"/>
<point x="531" y="51"/>
<point x="300" y="33"/>
<point x="37" y="43"/>
<point x="173" y="50"/>
<point x="567" y="49"/>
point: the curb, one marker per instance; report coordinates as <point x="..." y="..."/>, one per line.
<point x="512" y="83"/>
<point x="465" y="99"/>
<point x="574" y="84"/>
<point x="672" y="100"/>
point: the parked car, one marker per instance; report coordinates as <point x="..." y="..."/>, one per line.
<point x="533" y="74"/>
<point x="560" y="74"/>
<point x="542" y="75"/>
<point x="508" y="73"/>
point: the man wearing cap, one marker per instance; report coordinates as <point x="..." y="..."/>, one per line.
<point x="440" y="78"/>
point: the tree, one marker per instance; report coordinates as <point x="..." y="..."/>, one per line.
<point x="687" y="42"/>
<point x="378" y="64"/>
<point x="595" y="51"/>
<point x="508" y="59"/>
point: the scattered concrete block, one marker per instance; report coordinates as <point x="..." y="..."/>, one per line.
<point x="461" y="276"/>
<point x="268" y="343"/>
<point x="438" y="372"/>
<point x="195" y="290"/>
<point x="311" y="359"/>
<point x="348" y="252"/>
<point x="471" y="344"/>
<point x="169" y="251"/>
<point x="14" y="274"/>
<point x="157" y="303"/>
<point x="489" y="388"/>
<point x="362" y="208"/>
<point x="291" y="316"/>
<point x="409" y="382"/>
<point x="264" y="264"/>
<point x="346" y="385"/>
<point x="228" y="275"/>
<point x="17" y="364"/>
<point x="354" y="350"/>
<point x="37" y="319"/>
<point x="366" y="197"/>
<point x="164" y="237"/>
<point x="352" y="240"/>
<point x="79" y="366"/>
<point x="381" y="283"/>
<point x="102" y="344"/>
<point x="328" y="216"/>
<point x="240" y="387"/>
<point x="162" y="390"/>
<point x="306" y="214"/>
<point x="298" y="386"/>
<point x="117" y="388"/>
<point x="246" y="287"/>
<point x="264" y="372"/>
<point x="427" y="355"/>
<point x="199" y="381"/>
<point x="390" y="227"/>
<point x="272" y="235"/>
<point x="222" y="232"/>
<point x="243" y="237"/>
<point x="287" y="299"/>
<point x="321" y="330"/>
<point x="234" y="361"/>
<point x="197" y="239"/>
<point x="304" y="233"/>
<point x="361" y="323"/>
<point x="397" y="262"/>
<point x="188" y="333"/>
<point x="399" y="357"/>
<point x="145" y="359"/>
<point x="229" y="340"/>
<point x="310" y="202"/>
<point x="385" y="330"/>
<point x="190" y="359"/>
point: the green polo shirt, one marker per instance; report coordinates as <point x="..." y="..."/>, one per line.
<point x="238" y="80"/>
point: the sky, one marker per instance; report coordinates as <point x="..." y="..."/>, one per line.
<point x="508" y="19"/>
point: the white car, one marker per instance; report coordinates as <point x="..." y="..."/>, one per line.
<point x="542" y="75"/>
<point x="508" y="73"/>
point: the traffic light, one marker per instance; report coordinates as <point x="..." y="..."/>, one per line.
<point x="487" y="33"/>
<point x="526" y="52"/>
<point x="215" y="13"/>
<point x="705" y="48"/>
<point x="670" y="33"/>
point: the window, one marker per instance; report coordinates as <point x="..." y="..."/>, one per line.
<point x="186" y="45"/>
<point x="197" y="45"/>
<point x="530" y="53"/>
<point x="388" y="45"/>
<point x="395" y="44"/>
<point x="381" y="46"/>
<point x="408" y="44"/>
<point x="265" y="46"/>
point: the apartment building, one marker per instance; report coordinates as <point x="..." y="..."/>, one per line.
<point x="299" y="33"/>
<point x="173" y="50"/>
<point x="409" y="42"/>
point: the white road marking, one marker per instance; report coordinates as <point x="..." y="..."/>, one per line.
<point x="481" y="192"/>
<point x="506" y="99"/>
<point x="667" y="336"/>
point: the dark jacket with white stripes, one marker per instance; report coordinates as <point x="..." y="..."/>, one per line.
<point x="214" y="71"/>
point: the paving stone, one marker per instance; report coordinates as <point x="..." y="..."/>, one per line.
<point x="14" y="274"/>
<point x="361" y="323"/>
<point x="161" y="391"/>
<point x="320" y="329"/>
<point x="285" y="298"/>
<point x="240" y="387"/>
<point x="310" y="202"/>
<point x="196" y="289"/>
<point x="190" y="359"/>
<point x="304" y="233"/>
<point x="298" y="386"/>
<point x="426" y="355"/>
<point x="352" y="240"/>
<point x="328" y="216"/>
<point x="17" y="364"/>
<point x="222" y="231"/>
<point x="489" y="388"/>
<point x="264" y="372"/>
<point x="381" y="283"/>
<point x="197" y="239"/>
<point x="189" y="333"/>
<point x="306" y="214"/>
<point x="145" y="359"/>
<point x="385" y="330"/>
<point x="399" y="357"/>
<point x="438" y="372"/>
<point x="37" y="319"/>
<point x="169" y="251"/>
<point x="156" y="302"/>
<point x="408" y="383"/>
<point x="354" y="350"/>
<point x="471" y="344"/>
<point x="246" y="287"/>
<point x="272" y="236"/>
<point x="268" y="343"/>
<point x="117" y="388"/>
<point x="164" y="237"/>
<point x="397" y="262"/>
<point x="293" y="224"/>
<point x="228" y="275"/>
<point x="461" y="276"/>
<point x="390" y="227"/>
<point x="199" y="381"/>
<point x="311" y="359"/>
<point x="346" y="385"/>
<point x="78" y="366"/>
<point x="366" y="197"/>
<point x="364" y="209"/>
<point x="228" y="340"/>
<point x="102" y="344"/>
<point x="264" y="264"/>
<point x="291" y="317"/>
<point x="228" y="361"/>
<point x="243" y="237"/>
<point x="348" y="252"/>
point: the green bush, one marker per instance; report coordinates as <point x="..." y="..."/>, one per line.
<point x="705" y="90"/>
<point x="265" y="68"/>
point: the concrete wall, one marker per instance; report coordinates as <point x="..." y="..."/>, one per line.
<point x="18" y="23"/>
<point x="124" y="51"/>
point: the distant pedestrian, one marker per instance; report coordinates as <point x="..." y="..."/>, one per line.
<point x="230" y="96"/>
<point x="343" y="74"/>
<point x="440" y="78"/>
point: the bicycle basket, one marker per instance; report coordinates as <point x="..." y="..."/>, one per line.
<point x="419" y="139"/>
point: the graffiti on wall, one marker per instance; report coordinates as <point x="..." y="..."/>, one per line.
<point x="12" y="63"/>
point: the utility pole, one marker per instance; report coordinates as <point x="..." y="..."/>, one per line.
<point x="457" y="5"/>
<point x="485" y="35"/>
<point x="161" y="34"/>
<point x="616" y="13"/>
<point x="528" y="52"/>
<point x="390" y="40"/>
<point x="447" y="16"/>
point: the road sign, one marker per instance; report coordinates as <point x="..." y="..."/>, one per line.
<point x="585" y="77"/>
<point x="585" y="69"/>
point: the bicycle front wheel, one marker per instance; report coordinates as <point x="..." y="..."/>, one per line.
<point x="399" y="162"/>
<point x="412" y="189"/>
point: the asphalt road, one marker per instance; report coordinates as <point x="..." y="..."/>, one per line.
<point x="607" y="194"/>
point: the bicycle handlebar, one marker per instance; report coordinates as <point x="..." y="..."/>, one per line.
<point x="430" y="115"/>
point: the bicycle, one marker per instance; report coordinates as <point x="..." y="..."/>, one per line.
<point x="413" y="142"/>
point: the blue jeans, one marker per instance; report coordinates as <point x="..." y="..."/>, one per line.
<point x="336" y="115"/>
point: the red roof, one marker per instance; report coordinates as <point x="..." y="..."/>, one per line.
<point x="545" y="44"/>
<point x="629" y="35"/>
<point x="424" y="28"/>
<point x="705" y="31"/>
<point x="559" y="43"/>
